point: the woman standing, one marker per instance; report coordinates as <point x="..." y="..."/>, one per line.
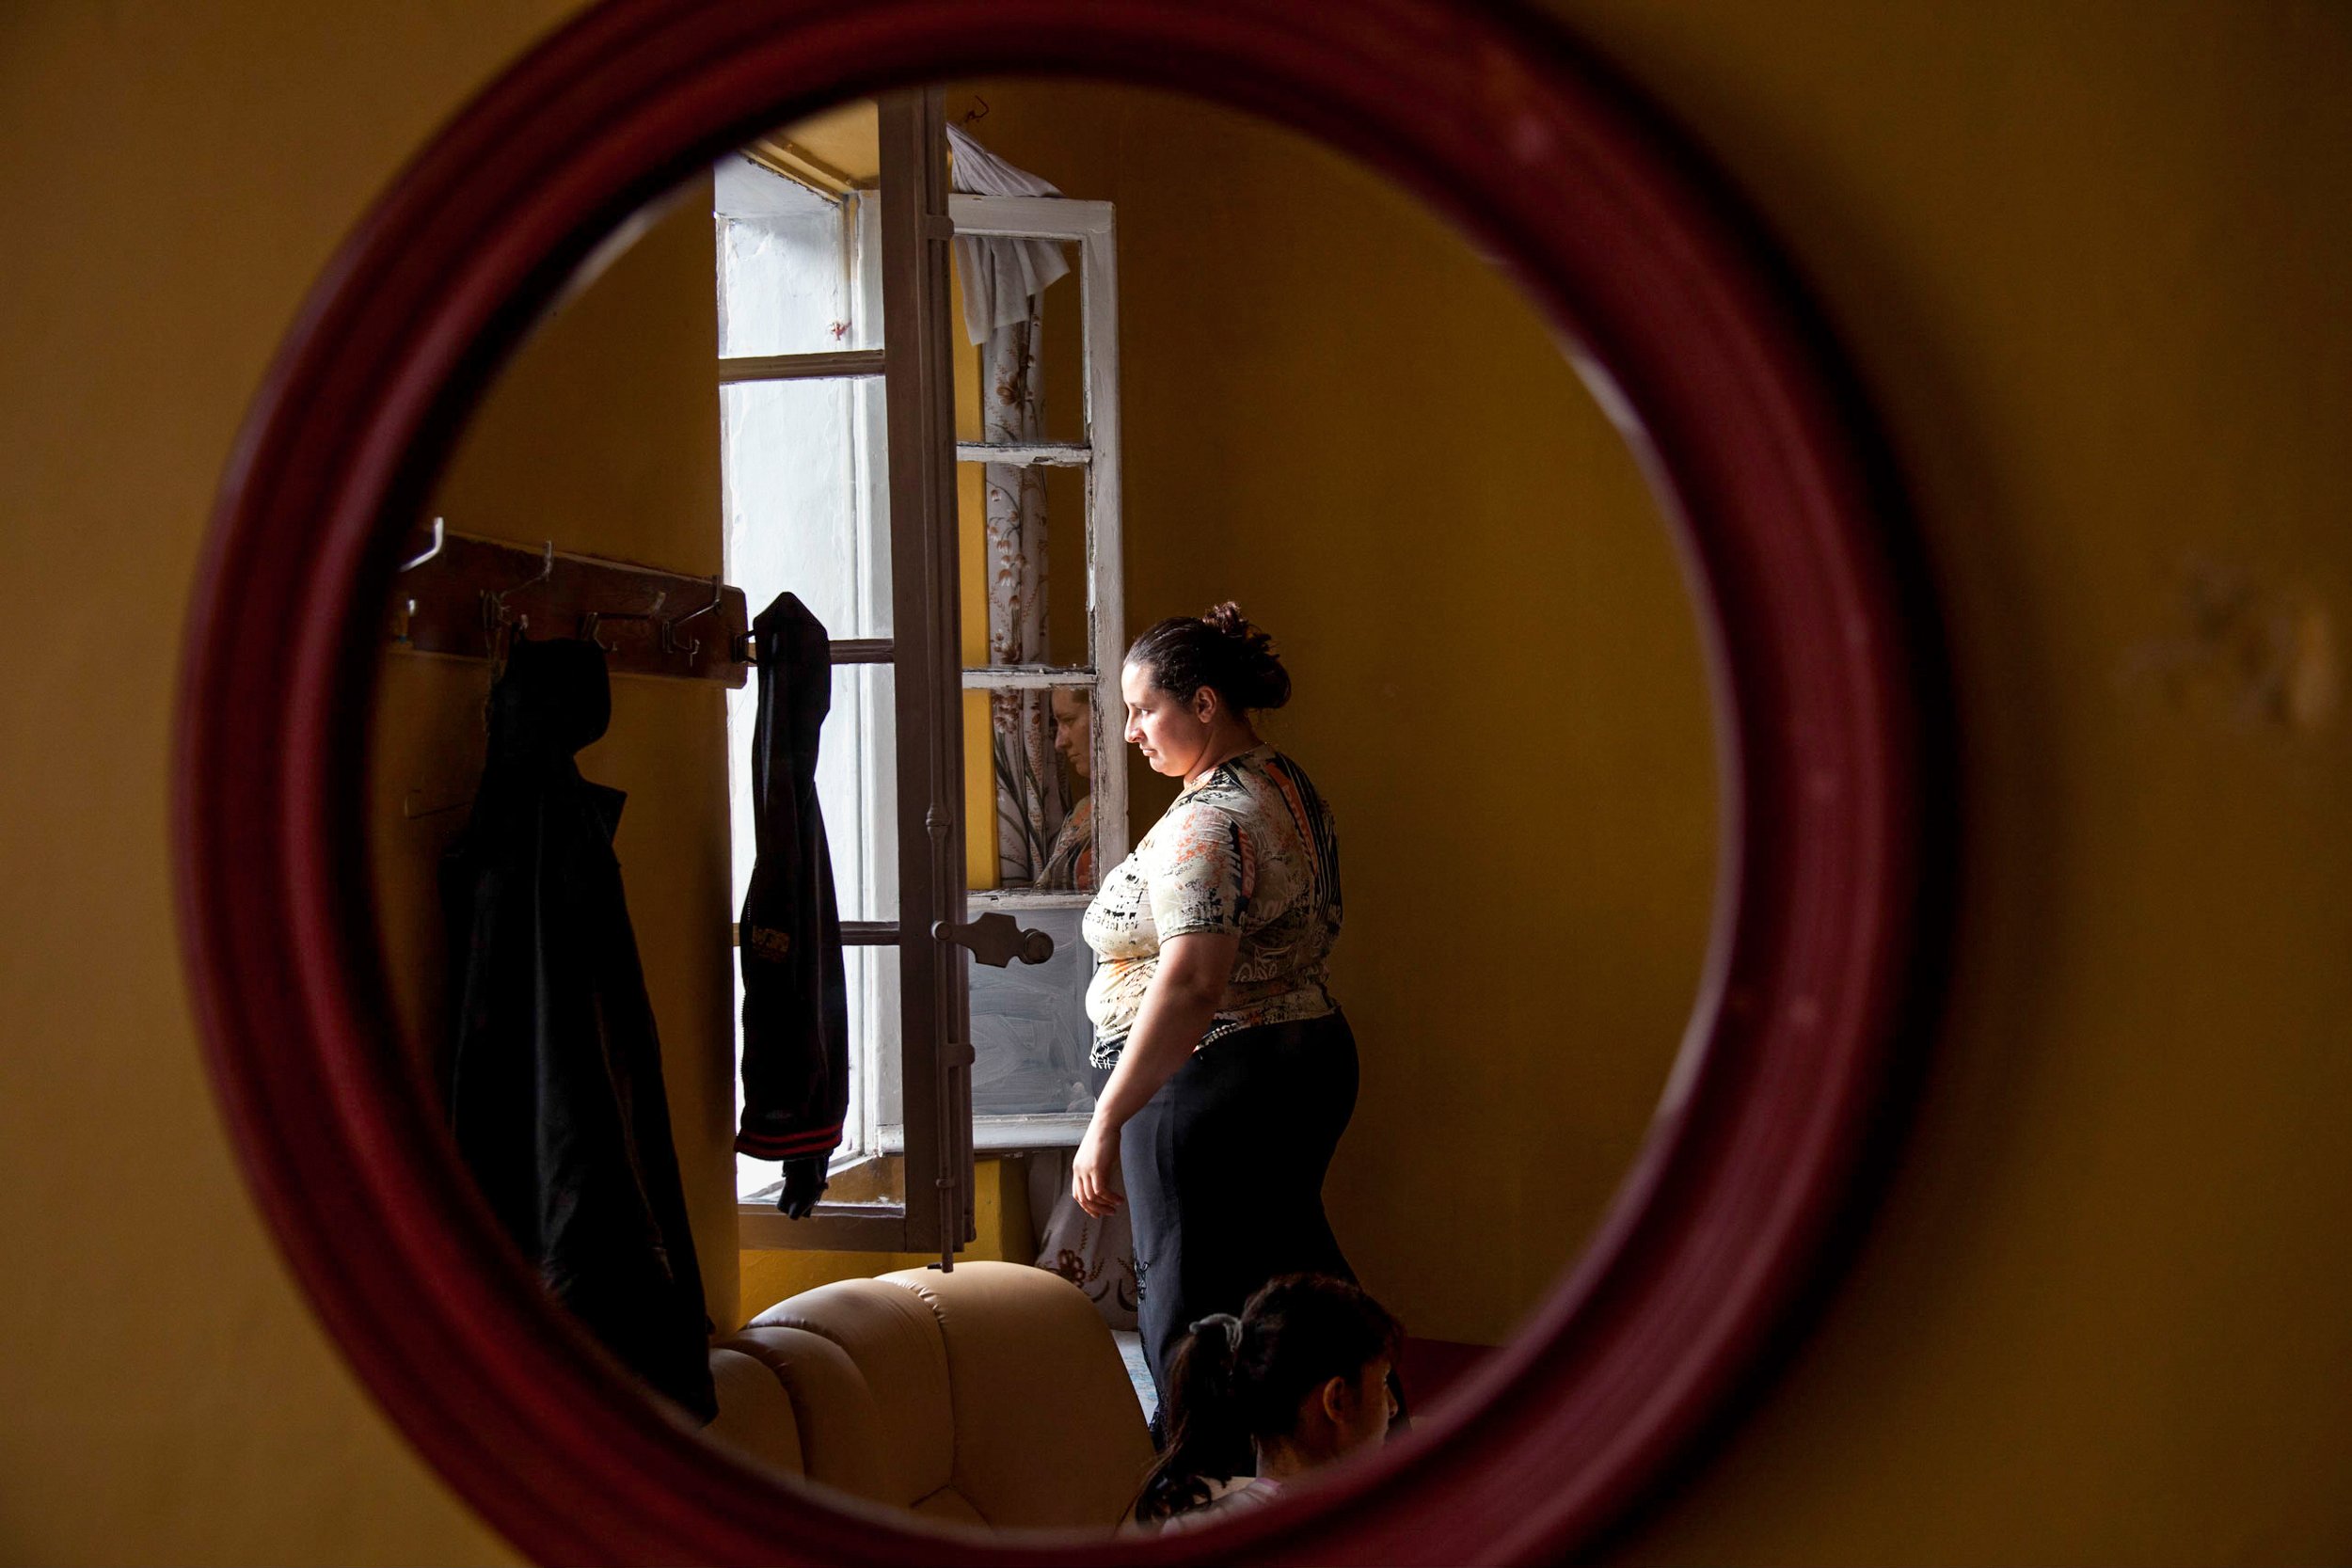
<point x="1232" y="1071"/>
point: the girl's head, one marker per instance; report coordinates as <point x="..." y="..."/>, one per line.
<point x="1191" y="683"/>
<point x="1302" y="1375"/>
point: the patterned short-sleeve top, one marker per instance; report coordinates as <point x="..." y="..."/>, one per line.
<point x="1251" y="850"/>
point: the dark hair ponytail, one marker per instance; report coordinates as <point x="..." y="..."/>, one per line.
<point x="1203" y="1419"/>
<point x="1220" y="650"/>
<point x="1237" y="1380"/>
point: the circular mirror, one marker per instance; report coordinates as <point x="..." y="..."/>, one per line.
<point x="991" y="370"/>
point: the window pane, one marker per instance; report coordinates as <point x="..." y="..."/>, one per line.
<point x="1031" y="381"/>
<point x="1029" y="1029"/>
<point x="877" y="1065"/>
<point x="1027" y="526"/>
<point x="1070" y="861"/>
<point x="1066" y="549"/>
<point x="1062" y="355"/>
<point x="1027" y="759"/>
<point x="875" y="1092"/>
<point x="799" y="270"/>
<point x="806" y="471"/>
<point x="857" y="789"/>
<point x="979" y="795"/>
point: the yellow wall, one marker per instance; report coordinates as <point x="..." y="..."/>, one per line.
<point x="601" y="434"/>
<point x="2091" y="259"/>
<point x="1336" y="414"/>
<point x="2088" y="259"/>
<point x="1000" y="1218"/>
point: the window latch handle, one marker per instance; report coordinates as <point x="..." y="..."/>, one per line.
<point x="997" y="938"/>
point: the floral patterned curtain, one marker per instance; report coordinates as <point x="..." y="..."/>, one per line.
<point x="1004" y="285"/>
<point x="1030" y="798"/>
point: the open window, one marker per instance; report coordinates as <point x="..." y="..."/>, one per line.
<point x="841" y="470"/>
<point x="836" y="459"/>
<point x="1047" y="795"/>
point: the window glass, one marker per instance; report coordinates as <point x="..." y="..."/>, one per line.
<point x="1062" y="355"/>
<point x="1029" y="1029"/>
<point x="1066" y="549"/>
<point x="857" y="789"/>
<point x="877" y="1096"/>
<point x="877" y="1066"/>
<point x="1054" y="377"/>
<point x="806" y="471"/>
<point x="799" y="270"/>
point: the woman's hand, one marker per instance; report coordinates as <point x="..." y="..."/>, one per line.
<point x="1094" y="1174"/>
<point x="1177" y="1008"/>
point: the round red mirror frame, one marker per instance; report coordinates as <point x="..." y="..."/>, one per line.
<point x="1823" y="670"/>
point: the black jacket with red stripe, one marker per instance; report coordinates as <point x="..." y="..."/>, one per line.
<point x="796" y="1028"/>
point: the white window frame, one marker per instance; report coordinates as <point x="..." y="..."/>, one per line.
<point x="1092" y="227"/>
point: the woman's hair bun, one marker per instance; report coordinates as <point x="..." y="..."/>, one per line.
<point x="1227" y="618"/>
<point x="1258" y="677"/>
<point x="1220" y="649"/>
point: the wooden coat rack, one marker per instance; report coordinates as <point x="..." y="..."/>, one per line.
<point x="465" y="596"/>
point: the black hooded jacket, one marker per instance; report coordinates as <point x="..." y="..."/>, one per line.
<point x="796" y="1030"/>
<point x="555" y="1091"/>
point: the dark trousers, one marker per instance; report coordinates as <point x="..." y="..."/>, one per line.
<point x="1224" y="1170"/>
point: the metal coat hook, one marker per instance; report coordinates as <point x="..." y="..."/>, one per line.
<point x="440" y="537"/>
<point x="463" y="605"/>
<point x="493" y="600"/>
<point x="980" y="113"/>
<point x="591" y="620"/>
<point x="669" y="628"/>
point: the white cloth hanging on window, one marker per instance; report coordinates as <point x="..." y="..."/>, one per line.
<point x="1001" y="278"/>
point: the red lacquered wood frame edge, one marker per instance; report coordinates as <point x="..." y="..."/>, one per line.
<point x="1824" y="682"/>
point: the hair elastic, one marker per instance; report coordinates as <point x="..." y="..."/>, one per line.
<point x="1225" y="1320"/>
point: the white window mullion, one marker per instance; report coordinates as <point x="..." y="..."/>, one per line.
<point x="1093" y="225"/>
<point x="1050" y="454"/>
<point x="1025" y="678"/>
<point x="1090" y="225"/>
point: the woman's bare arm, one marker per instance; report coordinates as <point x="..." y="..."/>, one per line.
<point x="1192" y="978"/>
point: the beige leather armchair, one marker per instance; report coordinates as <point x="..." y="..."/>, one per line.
<point x="993" y="1395"/>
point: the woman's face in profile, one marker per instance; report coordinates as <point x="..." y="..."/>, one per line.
<point x="1168" y="731"/>
<point x="1074" y="729"/>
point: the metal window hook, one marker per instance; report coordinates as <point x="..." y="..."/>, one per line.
<point x="669" y="627"/>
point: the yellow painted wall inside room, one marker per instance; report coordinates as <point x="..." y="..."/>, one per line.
<point x="2088" y="260"/>
<point x="1000" y="1218"/>
<point x="1335" y="413"/>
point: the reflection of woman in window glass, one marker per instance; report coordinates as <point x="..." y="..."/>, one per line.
<point x="1232" y="1070"/>
<point x="1070" y="861"/>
